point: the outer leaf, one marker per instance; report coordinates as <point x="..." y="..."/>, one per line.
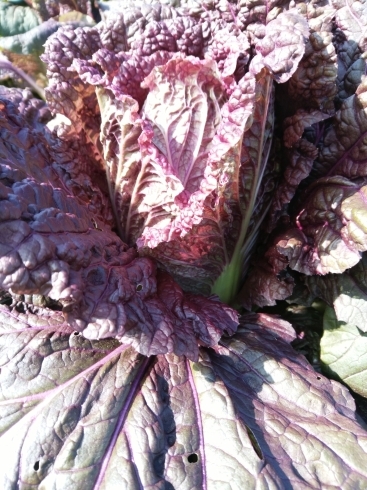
<point x="334" y="245"/>
<point x="282" y="47"/>
<point x="351" y="66"/>
<point x="251" y="16"/>
<point x="263" y="286"/>
<point x="313" y="85"/>
<point x="352" y="20"/>
<point x="16" y="19"/>
<point x="347" y="293"/>
<point x="344" y="352"/>
<point x="344" y="145"/>
<point x="120" y="131"/>
<point x="318" y="14"/>
<point x="330" y="235"/>
<point x="32" y="41"/>
<point x="330" y="229"/>
<point x="249" y="204"/>
<point x="299" y="161"/>
<point x="103" y="414"/>
<point x="295" y="125"/>
<point x="229" y="49"/>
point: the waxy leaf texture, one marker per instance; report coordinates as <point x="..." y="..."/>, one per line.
<point x="95" y="414"/>
<point x="213" y="147"/>
<point x="344" y="352"/>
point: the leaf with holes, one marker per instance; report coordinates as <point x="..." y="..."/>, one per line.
<point x="82" y="414"/>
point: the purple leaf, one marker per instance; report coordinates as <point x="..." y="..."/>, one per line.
<point x="85" y="413"/>
<point x="53" y="245"/>
<point x="282" y="46"/>
<point x="312" y="86"/>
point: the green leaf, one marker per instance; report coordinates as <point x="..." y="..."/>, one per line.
<point x="15" y="19"/>
<point x="32" y="41"/>
<point x="344" y="352"/>
<point x="346" y="292"/>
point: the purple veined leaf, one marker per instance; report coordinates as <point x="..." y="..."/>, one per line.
<point x="285" y="34"/>
<point x="66" y="93"/>
<point x="299" y="161"/>
<point x="229" y="49"/>
<point x="53" y="245"/>
<point x="295" y="125"/>
<point x="313" y="85"/>
<point x="331" y="229"/>
<point x="264" y="287"/>
<point x="351" y="65"/>
<point x="330" y="236"/>
<point x="125" y="43"/>
<point x="242" y="198"/>
<point x="190" y="139"/>
<point x="344" y="144"/>
<point x="319" y="17"/>
<point x="282" y="46"/>
<point x="86" y="413"/>
<point x="121" y="74"/>
<point x="352" y="21"/>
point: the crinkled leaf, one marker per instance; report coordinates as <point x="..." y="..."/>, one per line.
<point x="50" y="8"/>
<point x="83" y="414"/>
<point x="51" y="244"/>
<point x="282" y="47"/>
<point x="351" y="66"/>
<point x="299" y="161"/>
<point x="247" y="197"/>
<point x="252" y="16"/>
<point x="295" y="125"/>
<point x="352" y="20"/>
<point x="264" y="286"/>
<point x="344" y="352"/>
<point x="191" y="142"/>
<point x="331" y="229"/>
<point x="344" y="144"/>
<point x="97" y="56"/>
<point x="223" y="204"/>
<point x="313" y="85"/>
<point x="318" y="13"/>
<point x="228" y="49"/>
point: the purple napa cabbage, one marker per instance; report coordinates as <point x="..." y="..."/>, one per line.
<point x="185" y="140"/>
<point x="215" y="148"/>
<point x="60" y="245"/>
